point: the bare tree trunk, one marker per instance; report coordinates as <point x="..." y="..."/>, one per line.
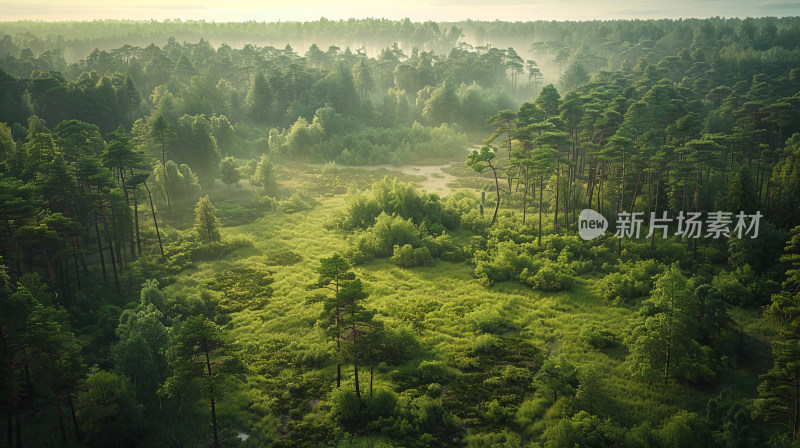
<point x="110" y="245"/>
<point x="100" y="248"/>
<point x="558" y="181"/>
<point x="75" y="261"/>
<point x="116" y="241"/>
<point x="48" y="267"/>
<point x="371" y="376"/>
<point x="60" y="414"/>
<point x="127" y="203"/>
<point x="155" y="220"/>
<point x="541" y="193"/>
<point x="136" y="223"/>
<point x="74" y="418"/>
<point x="525" y="198"/>
<point x="355" y="366"/>
<point x="497" y="191"/>
<point x="636" y="191"/>
<point x="14" y="388"/>
<point x="213" y="402"/>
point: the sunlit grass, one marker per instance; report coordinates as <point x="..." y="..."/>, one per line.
<point x="439" y="303"/>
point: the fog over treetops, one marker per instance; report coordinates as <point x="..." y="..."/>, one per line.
<point x="402" y="232"/>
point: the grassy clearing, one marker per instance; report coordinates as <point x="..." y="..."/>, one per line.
<point x="442" y="304"/>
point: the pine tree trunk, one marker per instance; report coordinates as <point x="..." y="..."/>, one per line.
<point x="14" y="389"/>
<point x="136" y="223"/>
<point x="84" y="265"/>
<point x="60" y="414"/>
<point x="75" y="262"/>
<point x="110" y="245"/>
<point x="9" y="430"/>
<point x="558" y="181"/>
<point x="127" y="203"/>
<point x="64" y="268"/>
<point x="48" y="267"/>
<point x="155" y="220"/>
<point x="796" y="413"/>
<point x="497" y="191"/>
<point x="116" y="242"/>
<point x="100" y="248"/>
<point x="541" y="194"/>
<point x="213" y="402"/>
<point x="525" y="199"/>
<point x="74" y="418"/>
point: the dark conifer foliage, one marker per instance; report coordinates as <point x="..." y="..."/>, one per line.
<point x="169" y="191"/>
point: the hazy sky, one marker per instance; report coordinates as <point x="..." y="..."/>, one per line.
<point x="439" y="10"/>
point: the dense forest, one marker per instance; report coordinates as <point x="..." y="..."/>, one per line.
<point x="370" y="233"/>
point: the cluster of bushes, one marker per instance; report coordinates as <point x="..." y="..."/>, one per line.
<point x="295" y="203"/>
<point x="508" y="261"/>
<point x="408" y="245"/>
<point x="397" y="221"/>
<point x="744" y="287"/>
<point x="548" y="277"/>
<point x="329" y="136"/>
<point x="394" y="197"/>
<point x="408" y="256"/>
<point x="634" y="279"/>
<point x="408" y="418"/>
<point x="488" y="319"/>
<point x="597" y="336"/>
<point x="508" y="253"/>
<point x="374" y="146"/>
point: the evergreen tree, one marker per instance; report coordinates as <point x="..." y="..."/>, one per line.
<point x="663" y="342"/>
<point x="201" y="356"/>
<point x="206" y="223"/>
<point x="259" y="99"/>
<point x="228" y="171"/>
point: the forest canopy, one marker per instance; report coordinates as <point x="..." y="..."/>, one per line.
<point x="367" y="233"/>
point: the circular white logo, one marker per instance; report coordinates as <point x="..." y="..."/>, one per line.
<point x="591" y="224"/>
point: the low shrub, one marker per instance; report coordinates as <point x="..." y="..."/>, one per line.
<point x="550" y="277"/>
<point x="407" y="256"/>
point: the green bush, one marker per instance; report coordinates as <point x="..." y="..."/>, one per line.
<point x="407" y="256"/>
<point x="486" y="319"/>
<point x="597" y="336"/>
<point x="443" y="247"/>
<point x="505" y="262"/>
<point x="430" y="372"/>
<point x="634" y="279"/>
<point x="550" y="277"/>
<point x="617" y="288"/>
<point x="388" y="231"/>
<point x="346" y="408"/>
<point x="393" y="197"/>
<point x="736" y="287"/>
<point x="295" y="203"/>
<point x="382" y="404"/>
<point x="485" y="344"/>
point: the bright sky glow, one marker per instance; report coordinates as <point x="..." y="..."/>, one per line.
<point x="417" y="10"/>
